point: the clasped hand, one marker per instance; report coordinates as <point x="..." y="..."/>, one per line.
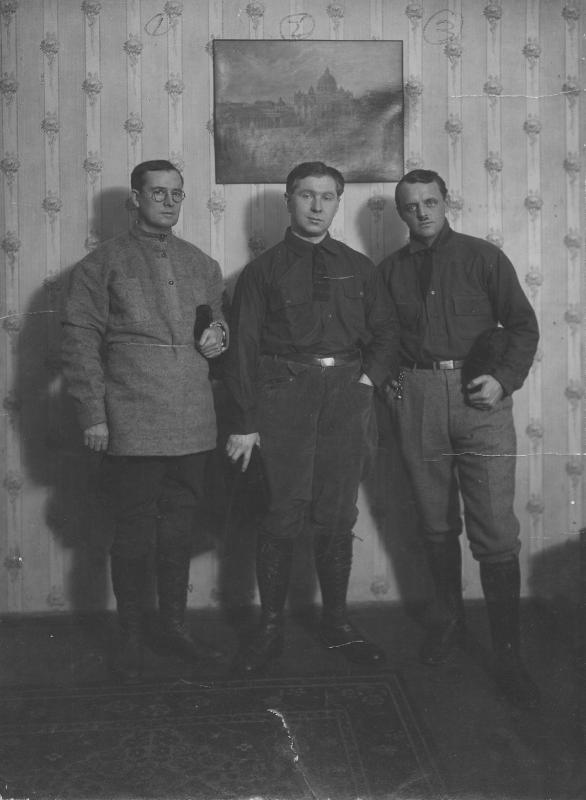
<point x="210" y="344"/>
<point x="96" y="437"/>
<point x="484" y="392"/>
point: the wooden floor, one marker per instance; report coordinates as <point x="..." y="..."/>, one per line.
<point x="485" y="748"/>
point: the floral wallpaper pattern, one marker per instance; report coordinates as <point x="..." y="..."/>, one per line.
<point x="493" y="101"/>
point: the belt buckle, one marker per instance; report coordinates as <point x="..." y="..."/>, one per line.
<point x="330" y="361"/>
<point x="445" y="364"/>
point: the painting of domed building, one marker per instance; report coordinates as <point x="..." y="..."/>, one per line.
<point x="278" y="103"/>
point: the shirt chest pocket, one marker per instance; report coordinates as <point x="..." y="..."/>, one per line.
<point x="127" y="302"/>
<point x="352" y="293"/>
<point x="286" y="297"/>
<point x="472" y="305"/>
<point x="291" y="311"/>
<point x="472" y="314"/>
<point x="352" y="289"/>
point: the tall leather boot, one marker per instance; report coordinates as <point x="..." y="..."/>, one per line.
<point x="129" y="577"/>
<point x="333" y="562"/>
<point x="501" y="584"/>
<point x="448" y="627"/>
<point x="172" y="581"/>
<point x="273" y="569"/>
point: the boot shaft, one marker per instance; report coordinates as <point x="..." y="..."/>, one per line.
<point x="172" y="584"/>
<point x="445" y="564"/>
<point x="501" y="580"/>
<point x="274" y="558"/>
<point x="501" y="584"/>
<point x="333" y="563"/>
<point x="129" y="581"/>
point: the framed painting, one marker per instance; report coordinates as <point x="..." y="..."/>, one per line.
<point x="279" y="103"/>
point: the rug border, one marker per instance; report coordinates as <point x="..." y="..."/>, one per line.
<point x="419" y="735"/>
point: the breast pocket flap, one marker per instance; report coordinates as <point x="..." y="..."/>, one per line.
<point x="471" y="305"/>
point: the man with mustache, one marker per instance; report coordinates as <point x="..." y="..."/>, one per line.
<point x="456" y="295"/>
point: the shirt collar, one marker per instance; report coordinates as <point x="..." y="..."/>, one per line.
<point x="303" y="248"/>
<point x="417" y="246"/>
<point x="139" y="233"/>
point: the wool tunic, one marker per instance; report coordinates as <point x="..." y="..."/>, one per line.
<point x="129" y="353"/>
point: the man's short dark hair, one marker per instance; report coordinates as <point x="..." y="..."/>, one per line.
<point x="158" y="165"/>
<point x="422" y="176"/>
<point x="314" y="169"/>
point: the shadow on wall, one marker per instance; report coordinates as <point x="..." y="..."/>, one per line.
<point x="378" y="241"/>
<point x="53" y="458"/>
<point x="237" y="499"/>
<point x="557" y="578"/>
<point x="393" y="509"/>
<point x="275" y="222"/>
<point x="51" y="445"/>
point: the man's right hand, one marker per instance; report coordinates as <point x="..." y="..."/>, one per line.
<point x="96" y="437"/>
<point x="241" y="444"/>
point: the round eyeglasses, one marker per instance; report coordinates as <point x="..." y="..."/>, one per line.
<point x="160" y="195"/>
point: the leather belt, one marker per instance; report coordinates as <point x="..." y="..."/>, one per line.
<point x="337" y="360"/>
<point x="451" y="364"/>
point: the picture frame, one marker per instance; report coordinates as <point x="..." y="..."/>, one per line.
<point x="280" y="103"/>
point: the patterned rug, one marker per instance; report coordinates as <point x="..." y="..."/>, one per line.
<point x="325" y="738"/>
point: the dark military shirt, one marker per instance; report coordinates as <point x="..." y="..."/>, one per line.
<point x="274" y="312"/>
<point x="472" y="287"/>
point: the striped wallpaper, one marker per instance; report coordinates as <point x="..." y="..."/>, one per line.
<point x="493" y="101"/>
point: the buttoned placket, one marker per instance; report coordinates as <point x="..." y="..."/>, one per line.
<point x="162" y="253"/>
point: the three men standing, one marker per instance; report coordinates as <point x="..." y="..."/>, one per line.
<point x="314" y="331"/>
<point x="456" y="431"/>
<point x="141" y="386"/>
<point x="312" y="334"/>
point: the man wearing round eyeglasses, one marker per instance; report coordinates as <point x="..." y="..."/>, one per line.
<point x="142" y="317"/>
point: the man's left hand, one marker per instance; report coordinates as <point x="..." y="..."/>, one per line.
<point x="484" y="392"/>
<point x="210" y="344"/>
